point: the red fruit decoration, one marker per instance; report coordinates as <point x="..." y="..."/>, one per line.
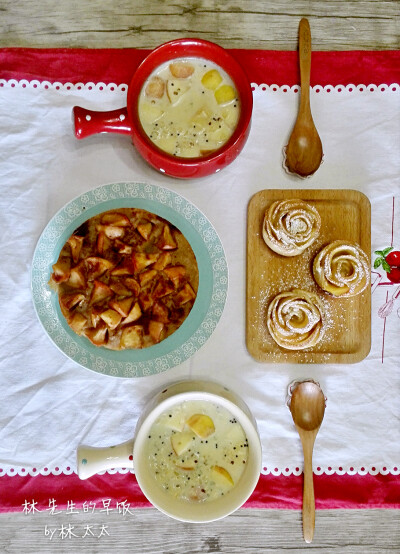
<point x="389" y="259"/>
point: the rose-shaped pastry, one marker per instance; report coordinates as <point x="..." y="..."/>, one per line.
<point x="295" y="319"/>
<point x="290" y="226"/>
<point x="342" y="269"/>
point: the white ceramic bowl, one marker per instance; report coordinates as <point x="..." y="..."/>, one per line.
<point x="131" y="453"/>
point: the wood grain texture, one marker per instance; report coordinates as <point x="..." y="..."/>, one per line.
<point x="345" y="215"/>
<point x="335" y="24"/>
<point x="247" y="531"/>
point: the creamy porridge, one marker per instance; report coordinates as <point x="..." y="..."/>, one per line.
<point x="197" y="451"/>
<point x="189" y="107"/>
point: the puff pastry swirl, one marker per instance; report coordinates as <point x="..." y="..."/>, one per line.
<point x="342" y="269"/>
<point x="290" y="226"/>
<point x="296" y="319"/>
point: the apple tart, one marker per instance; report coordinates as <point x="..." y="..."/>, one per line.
<point x="126" y="279"/>
<point x="342" y="269"/>
<point x="296" y="319"/>
<point x="290" y="226"/>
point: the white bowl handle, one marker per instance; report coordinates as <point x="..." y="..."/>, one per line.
<point x="93" y="460"/>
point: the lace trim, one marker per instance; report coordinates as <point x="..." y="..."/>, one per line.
<point x="112" y="87"/>
<point x="362" y="470"/>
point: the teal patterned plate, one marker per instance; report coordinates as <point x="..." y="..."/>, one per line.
<point x="206" y="311"/>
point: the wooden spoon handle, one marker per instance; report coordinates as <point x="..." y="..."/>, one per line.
<point x="305" y="60"/>
<point x="308" y="493"/>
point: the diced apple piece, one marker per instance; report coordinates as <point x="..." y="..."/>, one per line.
<point x="97" y="266"/>
<point x="145" y="229"/>
<point x="133" y="285"/>
<point x="168" y="144"/>
<point x="177" y="274"/>
<point x="141" y="260"/>
<point x="111" y="318"/>
<point x="61" y="270"/>
<point x="97" y="336"/>
<point x="201" y="424"/>
<point x="221" y="475"/>
<point x="100" y="292"/>
<point x="122" y="306"/>
<point x="150" y="112"/>
<point x="189" y="151"/>
<point x="120" y="289"/>
<point x="155" y="330"/>
<point x="113" y="232"/>
<point x="174" y="421"/>
<point x="181" y="70"/>
<point x="103" y="243"/>
<point x="212" y="79"/>
<point x="186" y="294"/>
<point x="146" y="301"/>
<point x="225" y="94"/>
<point x="76" y="278"/>
<point x="221" y="134"/>
<point x="70" y="301"/>
<point x="160" y="312"/>
<point x="166" y="240"/>
<point x="122" y="270"/>
<point x="95" y="318"/>
<point x="231" y="115"/>
<point x="202" y="118"/>
<point x="133" y="315"/>
<point x="176" y="89"/>
<point x="132" y="337"/>
<point x="75" y="244"/>
<point x="180" y="442"/>
<point x="78" y="322"/>
<point x="147" y="276"/>
<point x="155" y="87"/>
<point x="163" y="261"/>
<point x="116" y="219"/>
<point x="163" y="288"/>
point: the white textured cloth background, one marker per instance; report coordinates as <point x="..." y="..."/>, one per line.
<point x="49" y="404"/>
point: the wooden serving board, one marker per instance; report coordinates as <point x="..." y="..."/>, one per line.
<point x="345" y="215"/>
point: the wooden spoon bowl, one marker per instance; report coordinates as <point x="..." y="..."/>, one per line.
<point x="307" y="406"/>
<point x="304" y="149"/>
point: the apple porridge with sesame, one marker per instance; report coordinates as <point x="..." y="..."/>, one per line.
<point x="189" y="107"/>
<point x="126" y="279"/>
<point x="197" y="451"/>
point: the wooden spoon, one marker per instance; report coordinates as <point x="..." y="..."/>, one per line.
<point x="308" y="406"/>
<point x="304" y="150"/>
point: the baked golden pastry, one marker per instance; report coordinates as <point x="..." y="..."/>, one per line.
<point x="295" y="319"/>
<point x="126" y="279"/>
<point x="290" y="226"/>
<point x="342" y="269"/>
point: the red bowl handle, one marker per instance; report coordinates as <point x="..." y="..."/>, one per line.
<point x="89" y="122"/>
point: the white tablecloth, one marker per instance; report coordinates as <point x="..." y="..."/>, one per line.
<point x="49" y="404"/>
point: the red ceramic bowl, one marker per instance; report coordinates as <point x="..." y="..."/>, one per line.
<point x="126" y="120"/>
